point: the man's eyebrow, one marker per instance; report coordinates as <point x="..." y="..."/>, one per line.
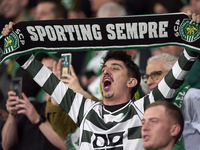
<point x="113" y="64"/>
<point x="116" y="64"/>
<point x="153" y="118"/>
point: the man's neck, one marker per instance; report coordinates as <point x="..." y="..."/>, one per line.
<point x="117" y="101"/>
<point x="114" y="107"/>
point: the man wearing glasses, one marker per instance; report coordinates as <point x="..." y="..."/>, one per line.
<point x="157" y="67"/>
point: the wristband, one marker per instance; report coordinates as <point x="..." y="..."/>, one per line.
<point x="42" y="119"/>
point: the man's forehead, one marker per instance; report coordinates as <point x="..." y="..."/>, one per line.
<point x="155" y="66"/>
<point x="155" y="112"/>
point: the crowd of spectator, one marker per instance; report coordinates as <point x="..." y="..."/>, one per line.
<point x="48" y="125"/>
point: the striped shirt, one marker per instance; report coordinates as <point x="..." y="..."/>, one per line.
<point x="101" y="129"/>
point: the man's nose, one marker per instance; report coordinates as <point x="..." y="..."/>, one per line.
<point x="145" y="127"/>
<point x="149" y="81"/>
<point x="106" y="71"/>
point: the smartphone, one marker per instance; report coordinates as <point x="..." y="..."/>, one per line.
<point x="17" y="86"/>
<point x="66" y="60"/>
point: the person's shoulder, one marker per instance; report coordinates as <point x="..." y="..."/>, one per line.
<point x="193" y="93"/>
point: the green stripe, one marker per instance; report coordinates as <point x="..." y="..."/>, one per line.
<point x="146" y="102"/>
<point x="158" y="95"/>
<point x="134" y="133"/>
<point x="81" y="112"/>
<point x="22" y="59"/>
<point x="98" y="122"/>
<point x="184" y="64"/>
<point x="172" y="82"/>
<point x="51" y="84"/>
<point x="192" y="53"/>
<point x="32" y="69"/>
<point x="86" y="136"/>
<point x="67" y="100"/>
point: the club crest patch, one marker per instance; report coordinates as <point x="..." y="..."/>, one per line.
<point x="11" y="43"/>
<point x="189" y="30"/>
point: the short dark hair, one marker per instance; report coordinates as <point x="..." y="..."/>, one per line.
<point x="173" y="112"/>
<point x="133" y="70"/>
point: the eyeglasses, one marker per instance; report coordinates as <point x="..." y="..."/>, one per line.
<point x="154" y="76"/>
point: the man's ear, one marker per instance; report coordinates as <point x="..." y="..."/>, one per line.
<point x="175" y="130"/>
<point x="132" y="82"/>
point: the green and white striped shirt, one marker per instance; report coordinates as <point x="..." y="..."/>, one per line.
<point x="101" y="129"/>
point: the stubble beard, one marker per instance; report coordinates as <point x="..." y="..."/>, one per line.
<point x="109" y="96"/>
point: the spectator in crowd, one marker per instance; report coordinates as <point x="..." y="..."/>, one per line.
<point x="26" y="126"/>
<point x="111" y="9"/>
<point x="50" y="10"/>
<point x="162" y="126"/>
<point x="15" y="10"/>
<point x="96" y="4"/>
<point x="53" y="10"/>
<point x="191" y="112"/>
<point x="157" y="67"/>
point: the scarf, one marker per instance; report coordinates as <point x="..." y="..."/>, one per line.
<point x="129" y="32"/>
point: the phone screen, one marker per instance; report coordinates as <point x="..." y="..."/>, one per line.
<point x="65" y="63"/>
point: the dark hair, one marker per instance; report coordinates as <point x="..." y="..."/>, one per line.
<point x="133" y="70"/>
<point x="173" y="112"/>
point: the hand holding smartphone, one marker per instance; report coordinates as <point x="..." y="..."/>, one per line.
<point x="66" y="60"/>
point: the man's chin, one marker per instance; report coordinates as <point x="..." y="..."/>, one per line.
<point x="108" y="96"/>
<point x="146" y="147"/>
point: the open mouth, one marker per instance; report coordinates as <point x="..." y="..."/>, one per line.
<point x="106" y="83"/>
<point x="146" y="138"/>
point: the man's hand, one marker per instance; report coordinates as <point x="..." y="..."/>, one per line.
<point x="11" y="103"/>
<point x="71" y="79"/>
<point x="193" y="16"/>
<point x="7" y="29"/>
<point x="25" y="107"/>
